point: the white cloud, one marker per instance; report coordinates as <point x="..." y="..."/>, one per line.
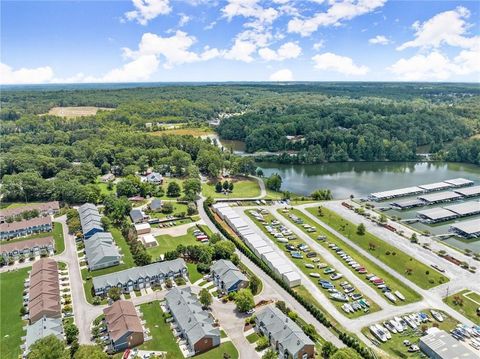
<point x="24" y="75"/>
<point x="342" y="64"/>
<point x="436" y="66"/>
<point x="282" y="75"/>
<point x="249" y="9"/>
<point x="146" y="10"/>
<point x="184" y="19"/>
<point x="447" y="28"/>
<point x="379" y="40"/>
<point x="289" y="50"/>
<point x="338" y="11"/>
<point x="241" y="51"/>
<point x="318" y="45"/>
<point x="139" y="69"/>
<point x="175" y="49"/>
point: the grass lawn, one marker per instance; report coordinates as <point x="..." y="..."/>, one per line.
<point x="58" y="237"/>
<point x="11" y="324"/>
<point x="300" y="263"/>
<point x="395" y="346"/>
<point x="393" y="283"/>
<point x="104" y="188"/>
<point x="186" y="130"/>
<point x="467" y="307"/>
<point x="220" y="351"/>
<point x="162" y="336"/>
<point x="193" y="273"/>
<point x="271" y="194"/>
<point x="168" y="243"/>
<point x="177" y="208"/>
<point x="166" y="181"/>
<point x="4" y="205"/>
<point x="242" y="188"/>
<point x="421" y="274"/>
<point x="252" y="338"/>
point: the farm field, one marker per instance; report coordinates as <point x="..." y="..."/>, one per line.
<point x="11" y="325"/>
<point x="80" y="111"/>
<point x="466" y="303"/>
<point x="393" y="283"/>
<point x="300" y="263"/>
<point x="409" y="267"/>
<point x="243" y="188"/>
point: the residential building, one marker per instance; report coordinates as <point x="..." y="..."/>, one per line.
<point x="155" y="205"/>
<point x="44" y="209"/>
<point x="196" y="325"/>
<point x="142" y="228"/>
<point x="44" y="291"/>
<point x="25" y="227"/>
<point x="101" y="251"/>
<point x="123" y="325"/>
<point x="138" y="216"/>
<point x="154" y="177"/>
<point x="43" y="328"/>
<point x="140" y="277"/>
<point x="438" y="344"/>
<point x="148" y="240"/>
<point x="227" y="277"/>
<point x="90" y="220"/>
<point x="27" y="248"/>
<point x="284" y="335"/>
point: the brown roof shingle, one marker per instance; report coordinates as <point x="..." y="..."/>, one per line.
<point x="27" y="244"/>
<point x="121" y="317"/>
<point x="41" y="207"/>
<point x="26" y="223"/>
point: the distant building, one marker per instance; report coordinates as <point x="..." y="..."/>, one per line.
<point x="154" y="177"/>
<point x="109" y="177"/>
<point x="25" y="227"/>
<point x="101" y="251"/>
<point x="137" y="278"/>
<point x="123" y="324"/>
<point x="43" y="328"/>
<point x="284" y="334"/>
<point x="27" y="247"/>
<point x="90" y="220"/>
<point x="142" y="228"/>
<point x="227" y="277"/>
<point x="148" y="240"/>
<point x="155" y="205"/>
<point x="438" y="344"/>
<point x="195" y="324"/>
<point x="43" y="209"/>
<point x="44" y="291"/>
<point x="138" y="216"/>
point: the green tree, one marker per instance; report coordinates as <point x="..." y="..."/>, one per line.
<point x="173" y="189"/>
<point x="205" y="297"/>
<point x="361" y="229"/>
<point x="114" y="293"/>
<point x="90" y="352"/>
<point x="167" y="207"/>
<point x="414" y="238"/>
<point x="49" y="347"/>
<point x="218" y="187"/>
<point x="328" y="349"/>
<point x="71" y="332"/>
<point x="225" y="185"/>
<point x="345" y="353"/>
<point x="244" y="300"/>
<point x="383" y="218"/>
<point x="191" y="188"/>
<point x="270" y="354"/>
<point x="254" y="284"/>
<point x="274" y="182"/>
<point x="223" y="250"/>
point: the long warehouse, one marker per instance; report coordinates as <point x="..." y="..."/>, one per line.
<point x="435" y="215"/>
<point x="439" y="197"/>
<point x="469" y="191"/>
<point x="467" y="229"/>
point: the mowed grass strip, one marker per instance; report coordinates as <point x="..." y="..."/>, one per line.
<point x="11" y="323"/>
<point x="300" y="263"/>
<point x="58" y="237"/>
<point x="394" y="284"/>
<point x="412" y="269"/>
<point x="466" y="303"/>
<point x="242" y="188"/>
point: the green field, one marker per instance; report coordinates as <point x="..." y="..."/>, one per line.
<point x="417" y="272"/>
<point x="168" y="243"/>
<point x="163" y="339"/>
<point x="300" y="263"/>
<point x="11" y="324"/>
<point x="5" y="205"/>
<point x="58" y="237"/>
<point x="244" y="188"/>
<point x="193" y="273"/>
<point x="393" y="283"/>
<point x="466" y="306"/>
<point x="177" y="208"/>
<point x="395" y="346"/>
<point x="104" y="187"/>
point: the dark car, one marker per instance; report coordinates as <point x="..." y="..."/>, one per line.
<point x="290" y="247"/>
<point x="311" y="254"/>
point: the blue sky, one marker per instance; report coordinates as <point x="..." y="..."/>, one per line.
<point x="239" y="40"/>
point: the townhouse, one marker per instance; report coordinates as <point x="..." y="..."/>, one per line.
<point x="227" y="277"/>
<point x="196" y="325"/>
<point x="284" y="335"/>
<point x="27" y="248"/>
<point x="25" y="227"/>
<point x="123" y="325"/>
<point x="140" y="277"/>
<point x="44" y="209"/>
<point x="90" y="220"/>
<point x="43" y="328"/>
<point x="101" y="251"/>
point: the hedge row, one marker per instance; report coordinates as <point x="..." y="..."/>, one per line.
<point x="317" y="313"/>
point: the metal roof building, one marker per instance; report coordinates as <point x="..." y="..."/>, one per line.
<point x="467" y="229"/>
<point x="401" y="192"/>
<point x="439" y="197"/>
<point x="101" y="251"/>
<point x="459" y="182"/>
<point x="439" y="344"/>
<point x="437" y="186"/>
<point x="227" y="276"/>
<point x="41" y="329"/>
<point x="469" y="191"/>
<point x="90" y="220"/>
<point x="434" y="215"/>
<point x="409" y="203"/>
<point x="465" y="208"/>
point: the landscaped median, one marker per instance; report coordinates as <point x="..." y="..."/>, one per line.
<point x="412" y="269"/>
<point x="301" y="262"/>
<point x="467" y="303"/>
<point x="392" y="282"/>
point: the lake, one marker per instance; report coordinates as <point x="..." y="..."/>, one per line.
<point x="363" y="178"/>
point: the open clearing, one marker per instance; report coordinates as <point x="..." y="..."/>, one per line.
<point x="11" y="289"/>
<point x="417" y="272"/>
<point x="167" y="243"/>
<point x="181" y="131"/>
<point x="465" y="302"/>
<point x="242" y="188"/>
<point x="71" y="112"/>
